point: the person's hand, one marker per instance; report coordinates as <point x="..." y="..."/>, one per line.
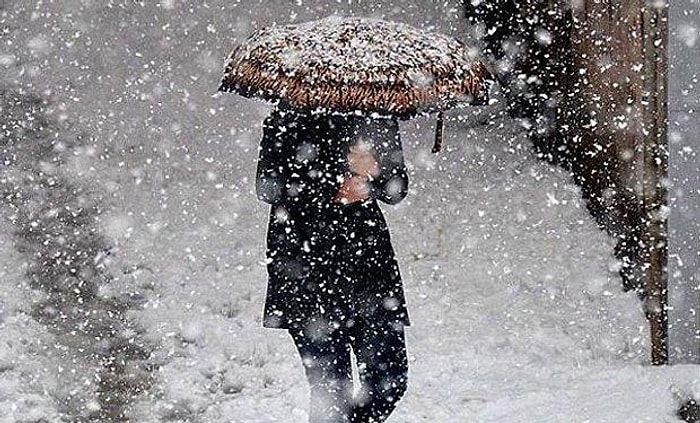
<point x="355" y="188"/>
<point x="361" y="161"/>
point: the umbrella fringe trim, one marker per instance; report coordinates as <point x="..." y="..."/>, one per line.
<point x="252" y="78"/>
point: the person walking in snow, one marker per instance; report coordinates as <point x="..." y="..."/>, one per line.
<point x="334" y="282"/>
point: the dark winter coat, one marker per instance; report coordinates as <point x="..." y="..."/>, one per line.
<point x="328" y="262"/>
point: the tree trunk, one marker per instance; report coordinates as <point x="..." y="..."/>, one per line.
<point x="590" y="77"/>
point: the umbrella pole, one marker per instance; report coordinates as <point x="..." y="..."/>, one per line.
<point x="437" y="146"/>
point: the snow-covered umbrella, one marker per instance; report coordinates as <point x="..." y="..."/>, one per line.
<point x="349" y="65"/>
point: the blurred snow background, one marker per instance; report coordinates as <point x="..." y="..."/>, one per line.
<point x="684" y="195"/>
<point x="517" y="307"/>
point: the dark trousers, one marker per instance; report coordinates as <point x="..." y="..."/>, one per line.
<point x="380" y="350"/>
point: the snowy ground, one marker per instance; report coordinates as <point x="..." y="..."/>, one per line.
<point x="517" y="308"/>
<point x="518" y="312"/>
<point x="28" y="375"/>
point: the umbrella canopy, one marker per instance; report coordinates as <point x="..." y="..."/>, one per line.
<point x="357" y="64"/>
<point x="348" y="64"/>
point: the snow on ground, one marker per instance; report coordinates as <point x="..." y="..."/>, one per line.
<point x="517" y="310"/>
<point x="28" y="372"/>
<point x="518" y="313"/>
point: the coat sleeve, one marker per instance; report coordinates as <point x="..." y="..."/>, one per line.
<point x="391" y="185"/>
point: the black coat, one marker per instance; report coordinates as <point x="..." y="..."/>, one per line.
<point x="328" y="262"/>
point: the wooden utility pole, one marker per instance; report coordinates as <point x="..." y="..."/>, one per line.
<point x="621" y="52"/>
<point x="655" y="175"/>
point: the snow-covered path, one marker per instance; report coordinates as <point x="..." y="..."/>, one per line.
<point x="517" y="308"/>
<point x="518" y="312"/>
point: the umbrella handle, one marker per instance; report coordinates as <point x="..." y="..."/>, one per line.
<point x="437" y="146"/>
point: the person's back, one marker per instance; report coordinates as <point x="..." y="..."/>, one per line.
<point x="333" y="280"/>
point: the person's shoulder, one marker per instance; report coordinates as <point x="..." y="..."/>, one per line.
<point x="380" y="126"/>
<point x="274" y="118"/>
<point x="286" y="116"/>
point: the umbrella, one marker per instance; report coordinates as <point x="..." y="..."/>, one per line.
<point x="347" y="65"/>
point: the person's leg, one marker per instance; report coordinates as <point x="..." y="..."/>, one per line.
<point x="326" y="359"/>
<point x="380" y="349"/>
